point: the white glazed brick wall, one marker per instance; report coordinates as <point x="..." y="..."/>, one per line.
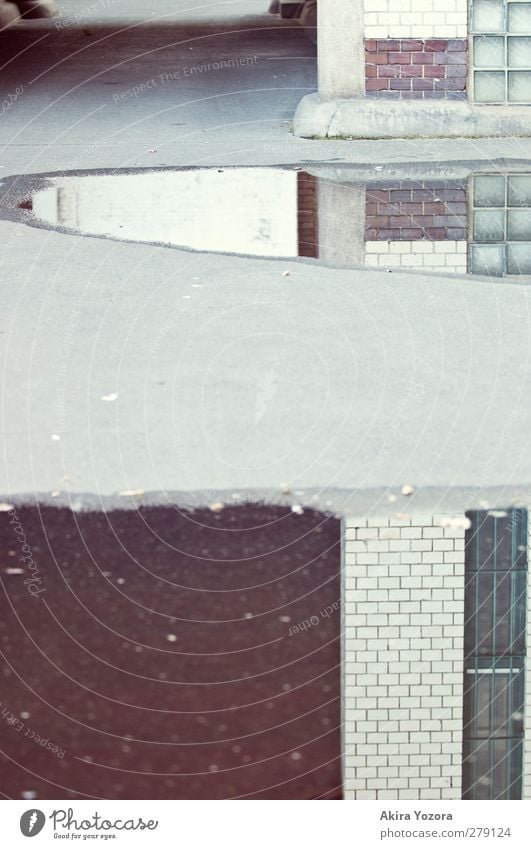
<point x="403" y="658"/>
<point x="421" y="254"/>
<point x="527" y="718"/>
<point x="416" y="18"/>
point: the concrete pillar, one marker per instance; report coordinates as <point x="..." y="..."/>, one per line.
<point x="341" y="215"/>
<point x="340" y="49"/>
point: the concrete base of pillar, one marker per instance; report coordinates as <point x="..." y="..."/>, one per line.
<point x="8" y="14"/>
<point x="38" y="8"/>
<point x="377" y="118"/>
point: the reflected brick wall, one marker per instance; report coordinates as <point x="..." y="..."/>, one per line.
<point x="404" y="621"/>
<point x="434" y="210"/>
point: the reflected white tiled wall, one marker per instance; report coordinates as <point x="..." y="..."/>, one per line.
<point x="423" y="19"/>
<point x="403" y="658"/>
<point x="421" y="254"/>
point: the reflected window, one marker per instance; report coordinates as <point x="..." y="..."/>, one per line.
<point x="495" y="649"/>
<point x="501" y="51"/>
<point x="501" y="225"/>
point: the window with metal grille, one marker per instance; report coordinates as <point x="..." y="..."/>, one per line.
<point x="501" y="51"/>
<point x="495" y="648"/>
<point x="500" y="224"/>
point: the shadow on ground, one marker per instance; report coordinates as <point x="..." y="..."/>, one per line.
<point x="65" y="55"/>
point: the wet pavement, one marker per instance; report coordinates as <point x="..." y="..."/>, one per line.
<point x="158" y="653"/>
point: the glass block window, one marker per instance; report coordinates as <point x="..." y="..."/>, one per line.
<point x="501" y="51"/>
<point x="500" y="225"/>
<point x="495" y="649"/>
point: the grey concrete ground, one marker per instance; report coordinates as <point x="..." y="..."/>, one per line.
<point x="230" y="376"/>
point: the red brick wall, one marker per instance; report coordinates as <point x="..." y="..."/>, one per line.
<point x="405" y="68"/>
<point x="416" y="210"/>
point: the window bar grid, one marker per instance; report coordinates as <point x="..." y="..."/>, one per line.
<point x="495" y="548"/>
<point x="475" y="739"/>
<point x="512" y="626"/>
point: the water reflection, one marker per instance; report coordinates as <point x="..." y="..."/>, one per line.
<point x="480" y="224"/>
<point x="169" y="659"/>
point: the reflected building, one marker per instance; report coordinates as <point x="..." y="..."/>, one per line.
<point x="476" y="224"/>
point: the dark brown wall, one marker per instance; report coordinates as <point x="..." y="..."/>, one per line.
<point x="307" y="215"/>
<point x="236" y="706"/>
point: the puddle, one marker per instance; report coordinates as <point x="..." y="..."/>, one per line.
<point x="187" y="655"/>
<point x="479" y="223"/>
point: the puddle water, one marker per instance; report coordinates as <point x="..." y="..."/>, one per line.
<point x="207" y="685"/>
<point x="474" y="224"/>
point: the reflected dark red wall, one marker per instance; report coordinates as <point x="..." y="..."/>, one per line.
<point x="307" y="214"/>
<point x="171" y="654"/>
